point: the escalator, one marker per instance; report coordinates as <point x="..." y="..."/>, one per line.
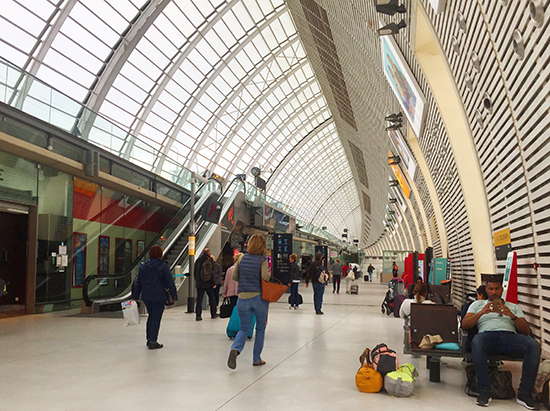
<point x="205" y="230"/>
<point x="104" y="292"/>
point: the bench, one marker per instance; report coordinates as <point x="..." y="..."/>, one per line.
<point x="443" y="320"/>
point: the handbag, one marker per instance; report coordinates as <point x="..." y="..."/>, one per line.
<point x="430" y="341"/>
<point x="501" y="382"/>
<point x="273" y="289"/>
<point x="226" y="308"/>
<point x="169" y="299"/>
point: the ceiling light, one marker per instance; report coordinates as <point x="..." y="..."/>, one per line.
<point x="391" y="28"/>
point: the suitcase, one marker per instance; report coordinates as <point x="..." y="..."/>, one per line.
<point x="354" y="289"/>
<point x="234" y="325"/>
<point x="397" y="302"/>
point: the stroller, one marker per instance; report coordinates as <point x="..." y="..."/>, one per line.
<point x="396" y="286"/>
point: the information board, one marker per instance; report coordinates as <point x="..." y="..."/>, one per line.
<point x="280" y="257"/>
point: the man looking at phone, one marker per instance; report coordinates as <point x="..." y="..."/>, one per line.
<point x="502" y="330"/>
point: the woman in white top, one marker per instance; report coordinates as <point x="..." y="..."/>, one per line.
<point x="420" y="293"/>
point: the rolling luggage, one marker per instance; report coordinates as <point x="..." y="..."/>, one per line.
<point x="354" y="289"/>
<point x="234" y="325"/>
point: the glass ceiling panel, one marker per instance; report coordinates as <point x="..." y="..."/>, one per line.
<point x="215" y="85"/>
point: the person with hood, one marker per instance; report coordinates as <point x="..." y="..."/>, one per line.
<point x="204" y="278"/>
<point x="153" y="279"/>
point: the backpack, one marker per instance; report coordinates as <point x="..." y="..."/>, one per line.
<point x="322" y="275"/>
<point x="367" y="378"/>
<point x="501" y="381"/>
<point x="400" y="383"/>
<point x="206" y="270"/>
<point x="384" y="360"/>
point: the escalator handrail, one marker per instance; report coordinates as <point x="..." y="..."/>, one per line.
<point x="128" y="271"/>
<point x="203" y="223"/>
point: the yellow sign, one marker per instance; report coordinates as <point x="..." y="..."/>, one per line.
<point x="191" y="245"/>
<point x="502" y="237"/>
<point x="400" y="178"/>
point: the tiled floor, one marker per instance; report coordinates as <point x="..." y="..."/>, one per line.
<point x="60" y="362"/>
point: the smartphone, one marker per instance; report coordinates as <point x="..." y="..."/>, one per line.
<point x="497" y="304"/>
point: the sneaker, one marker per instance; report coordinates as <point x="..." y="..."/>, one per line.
<point x="198" y="319"/>
<point x="483" y="400"/>
<point x="154" y="345"/>
<point x="319" y="312"/>
<point x="215" y="316"/>
<point x="232" y="360"/>
<point x="527" y="401"/>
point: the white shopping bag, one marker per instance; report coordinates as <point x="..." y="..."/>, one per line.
<point x="130" y="311"/>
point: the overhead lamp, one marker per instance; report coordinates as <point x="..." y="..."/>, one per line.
<point x="323" y="228"/>
<point x="394" y="117"/>
<point x="394" y="183"/>
<point x="393" y="200"/>
<point x="394" y="160"/>
<point x="391" y="28"/>
<point x="255" y="171"/>
<point x="389" y="7"/>
<point x="394" y="126"/>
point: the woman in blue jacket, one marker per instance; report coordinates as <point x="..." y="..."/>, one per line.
<point x="153" y="279"/>
<point x="249" y="272"/>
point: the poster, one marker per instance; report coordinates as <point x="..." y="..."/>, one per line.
<point x="79" y="259"/>
<point x="103" y="257"/>
<point x="140" y="247"/>
<point x="403" y="83"/>
<point x="404" y="153"/>
<point x="123" y="254"/>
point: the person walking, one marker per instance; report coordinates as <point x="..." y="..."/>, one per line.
<point x="370" y="270"/>
<point x="217" y="274"/>
<point x="349" y="277"/>
<point x="337" y="276"/>
<point x="316" y="268"/>
<point x="230" y="286"/>
<point x="154" y="277"/>
<point x="204" y="267"/>
<point x="295" y="277"/>
<point x="394" y="270"/>
<point x="249" y="271"/>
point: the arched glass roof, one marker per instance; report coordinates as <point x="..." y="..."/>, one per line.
<point x="212" y="85"/>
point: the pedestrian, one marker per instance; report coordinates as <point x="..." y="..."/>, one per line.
<point x="316" y="269"/>
<point x="204" y="267"/>
<point x="249" y="271"/>
<point x="370" y="270"/>
<point x="394" y="270"/>
<point x="295" y="277"/>
<point x="230" y="286"/>
<point x="337" y="276"/>
<point x="217" y="275"/>
<point x="349" y="278"/>
<point x="154" y="278"/>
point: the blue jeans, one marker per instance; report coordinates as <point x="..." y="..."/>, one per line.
<point x="294" y="294"/>
<point x="155" y="309"/>
<point x="336" y="283"/>
<point x="507" y="343"/>
<point x="318" y="291"/>
<point x="246" y="309"/>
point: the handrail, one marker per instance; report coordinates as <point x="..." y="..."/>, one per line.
<point x="128" y="271"/>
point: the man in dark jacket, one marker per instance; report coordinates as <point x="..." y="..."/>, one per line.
<point x="153" y="279"/>
<point x="313" y="274"/>
<point x="204" y="267"/>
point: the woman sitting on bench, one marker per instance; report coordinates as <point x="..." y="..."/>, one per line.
<point x="420" y="292"/>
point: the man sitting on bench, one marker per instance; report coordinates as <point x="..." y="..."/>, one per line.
<point x="498" y="324"/>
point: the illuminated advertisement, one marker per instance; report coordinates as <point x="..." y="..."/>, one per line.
<point x="403" y="84"/>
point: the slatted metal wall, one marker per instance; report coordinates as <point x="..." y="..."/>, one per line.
<point x="499" y="54"/>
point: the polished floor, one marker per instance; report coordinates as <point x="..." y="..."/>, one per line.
<point x="65" y="362"/>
